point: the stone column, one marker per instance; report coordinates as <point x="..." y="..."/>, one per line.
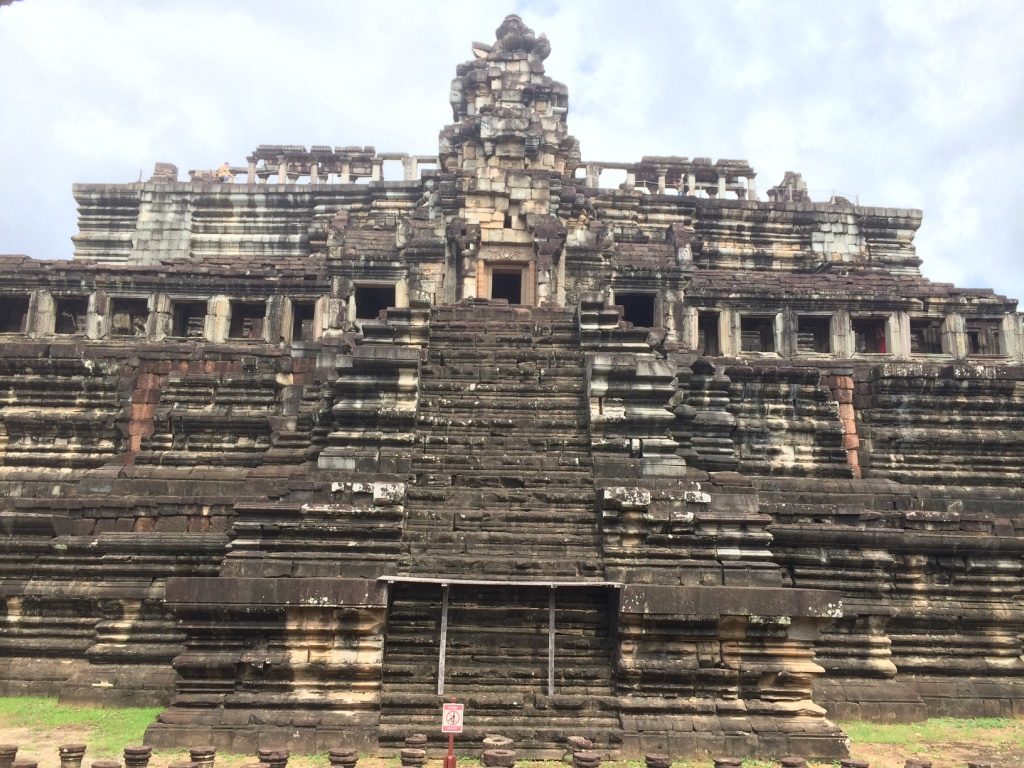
<point x="282" y="173"/>
<point x="842" y="334"/>
<point x="251" y="175"/>
<point x="218" y="319"/>
<point x="954" y="335"/>
<point x="345" y="174"/>
<point x="691" y="183"/>
<point x="137" y="757"/>
<point x="97" y="318"/>
<point x="661" y="181"/>
<point x="377" y="169"/>
<point x="410" y="168"/>
<point x="722" y="180"/>
<point x="42" y="313"/>
<point x="71" y="755"/>
<point x="593" y="175"/>
<point x="314" y="173"/>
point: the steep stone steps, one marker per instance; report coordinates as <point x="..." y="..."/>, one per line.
<point x="496" y="663"/>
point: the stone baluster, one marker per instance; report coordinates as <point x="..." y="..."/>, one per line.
<point x="577" y="744"/>
<point x="343" y="757"/>
<point x="106" y="764"/>
<point x="415" y="753"/>
<point x="850" y="762"/>
<point x="137" y="757"/>
<point x="71" y="755"/>
<point x="202" y="756"/>
<point x="586" y="758"/>
<point x="496" y="741"/>
<point x="273" y="758"/>
<point x="727" y="762"/>
<point x="8" y="753"/>
<point x="182" y="764"/>
<point x="792" y="762"/>
<point x="28" y="764"/>
<point x="498" y="751"/>
<point x="654" y="760"/>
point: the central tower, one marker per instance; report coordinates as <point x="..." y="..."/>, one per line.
<point x="503" y="162"/>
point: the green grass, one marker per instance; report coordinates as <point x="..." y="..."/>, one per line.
<point x="936" y="730"/>
<point x="111" y="729"/>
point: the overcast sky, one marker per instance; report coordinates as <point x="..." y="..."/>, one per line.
<point x="901" y="104"/>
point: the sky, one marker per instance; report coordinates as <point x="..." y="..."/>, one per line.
<point x="896" y="103"/>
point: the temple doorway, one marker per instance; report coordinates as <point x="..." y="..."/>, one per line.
<point x="507" y="283"/>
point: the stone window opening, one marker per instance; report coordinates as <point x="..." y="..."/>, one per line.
<point x="371" y="300"/>
<point x="303" y="314"/>
<point x="611" y="178"/>
<point x="984" y="337"/>
<point x="637" y="308"/>
<point x="869" y="336"/>
<point x="247" y="320"/>
<point x="13" y="314"/>
<point x="392" y="170"/>
<point x="925" y="336"/>
<point x="70" y="315"/>
<point x="188" y="319"/>
<point x="128" y="317"/>
<point x="708" y="343"/>
<point x="757" y="333"/>
<point x="814" y="334"/>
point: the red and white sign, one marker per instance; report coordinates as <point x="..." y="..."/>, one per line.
<point x="451" y="718"/>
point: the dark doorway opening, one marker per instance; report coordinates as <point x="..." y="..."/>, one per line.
<point x="13" y="314"/>
<point x="371" y="300"/>
<point x="637" y="308"/>
<point x="984" y="337"/>
<point x="128" y="317"/>
<point x="814" y="334"/>
<point x="247" y="320"/>
<point x="925" y="336"/>
<point x="757" y="334"/>
<point x="302" y="320"/>
<point x="507" y="284"/>
<point x="71" y="314"/>
<point x="707" y="334"/>
<point x="189" y="319"/>
<point x="869" y="335"/>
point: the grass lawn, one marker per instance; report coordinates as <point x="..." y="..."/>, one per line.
<point x="40" y="725"/>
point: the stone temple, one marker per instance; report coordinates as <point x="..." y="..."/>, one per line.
<point x="663" y="463"/>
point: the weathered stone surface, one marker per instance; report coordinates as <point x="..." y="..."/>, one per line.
<point x="663" y="468"/>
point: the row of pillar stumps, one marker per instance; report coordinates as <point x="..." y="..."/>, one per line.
<point x="497" y="753"/>
<point x="72" y="756"/>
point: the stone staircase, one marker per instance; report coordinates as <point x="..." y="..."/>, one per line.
<point x="503" y="494"/>
<point x="504" y="485"/>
